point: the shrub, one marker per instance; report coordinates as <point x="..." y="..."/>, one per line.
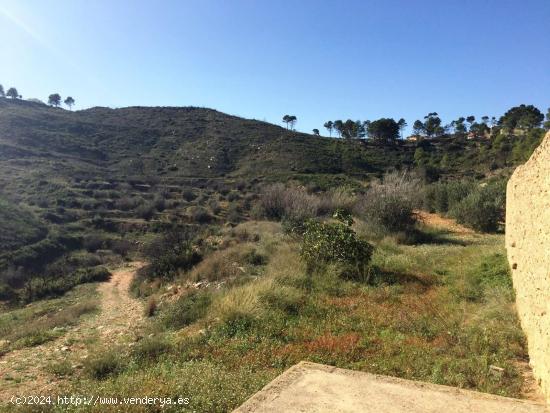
<point x="325" y="243"/>
<point x="233" y="196"/>
<point x="151" y="348"/>
<point x="278" y="202"/>
<point x="188" y="195"/>
<point x="284" y="298"/>
<point x="443" y="196"/>
<point x="171" y="252"/>
<point x="160" y="203"/>
<point x="200" y="215"/>
<point x="483" y="208"/>
<point x="253" y="257"/>
<point x="92" y="243"/>
<point x="186" y="310"/>
<point x="336" y="199"/>
<point x="146" y="211"/>
<point x="127" y="203"/>
<point x="151" y="307"/>
<point x="239" y="307"/>
<point x="390" y="203"/>
<point x="222" y="264"/>
<point x="122" y="247"/>
<point x="103" y="364"/>
<point x="215" y="206"/>
<point x="60" y="369"/>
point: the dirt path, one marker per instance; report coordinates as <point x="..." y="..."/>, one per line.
<point x="440" y="222"/>
<point x="26" y="371"/>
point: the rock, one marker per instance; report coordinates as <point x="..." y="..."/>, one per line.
<point x="496" y="371"/>
<point x="65" y="348"/>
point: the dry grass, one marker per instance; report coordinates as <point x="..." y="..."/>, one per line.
<point x="222" y="265"/>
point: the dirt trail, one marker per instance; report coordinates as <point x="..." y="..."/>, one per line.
<point x="25" y="371"/>
<point x="440" y="222"/>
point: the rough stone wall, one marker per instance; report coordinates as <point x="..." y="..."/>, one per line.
<point x="528" y="246"/>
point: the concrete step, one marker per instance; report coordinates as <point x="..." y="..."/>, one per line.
<point x="316" y="388"/>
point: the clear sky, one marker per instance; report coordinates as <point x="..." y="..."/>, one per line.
<point x="318" y="60"/>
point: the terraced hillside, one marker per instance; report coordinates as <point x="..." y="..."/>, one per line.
<point x="94" y="185"/>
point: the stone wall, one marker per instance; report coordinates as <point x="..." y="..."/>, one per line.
<point x="528" y="246"/>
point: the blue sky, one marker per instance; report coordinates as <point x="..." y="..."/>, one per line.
<point x="318" y="60"/>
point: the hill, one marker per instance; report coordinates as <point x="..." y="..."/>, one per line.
<point x="171" y="143"/>
<point x="18" y="227"/>
<point x="101" y="181"/>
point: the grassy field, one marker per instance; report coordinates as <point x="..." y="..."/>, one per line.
<point x="440" y="312"/>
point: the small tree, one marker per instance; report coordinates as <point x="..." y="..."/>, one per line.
<point x="286" y="119"/>
<point x="2" y="93"/>
<point x="12" y="93"/>
<point x="54" y="100"/>
<point x="402" y="123"/>
<point x="418" y="127"/>
<point x="459" y="125"/>
<point x="420" y="157"/>
<point x="292" y="119"/>
<point x="69" y="102"/>
<point x="316" y="132"/>
<point x="339" y="126"/>
<point x="329" y="126"/>
<point x="432" y="124"/>
<point x="547" y="123"/>
<point x="471" y="119"/>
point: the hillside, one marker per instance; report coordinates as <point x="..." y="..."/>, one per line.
<point x="18" y="227"/>
<point x="173" y="143"/>
<point x="156" y="241"/>
<point x="104" y="180"/>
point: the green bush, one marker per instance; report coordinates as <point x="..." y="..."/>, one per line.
<point x="59" y="283"/>
<point x="483" y="208"/>
<point x="443" y="196"/>
<point x="284" y="298"/>
<point x="146" y="211"/>
<point x="169" y="253"/>
<point x="325" y="243"/>
<point x="186" y="310"/>
<point x="151" y="348"/>
<point x="104" y="364"/>
<point x="253" y="257"/>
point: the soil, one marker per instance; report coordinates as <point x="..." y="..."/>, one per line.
<point x="25" y="371"/>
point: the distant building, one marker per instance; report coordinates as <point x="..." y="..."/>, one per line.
<point x="413" y="138"/>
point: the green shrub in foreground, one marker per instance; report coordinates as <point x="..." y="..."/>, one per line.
<point x="326" y="243"/>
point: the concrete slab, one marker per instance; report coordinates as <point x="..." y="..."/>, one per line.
<point x="316" y="388"/>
